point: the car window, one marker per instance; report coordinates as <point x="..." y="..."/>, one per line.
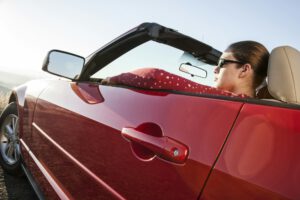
<point x="156" y="55"/>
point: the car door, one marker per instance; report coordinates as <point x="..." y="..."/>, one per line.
<point x="77" y="135"/>
<point x="93" y="141"/>
<point x="260" y="159"/>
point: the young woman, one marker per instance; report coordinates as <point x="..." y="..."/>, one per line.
<point x="242" y="68"/>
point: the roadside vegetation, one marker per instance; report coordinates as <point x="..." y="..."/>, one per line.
<point x="4" y="95"/>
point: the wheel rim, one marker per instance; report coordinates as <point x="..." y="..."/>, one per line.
<point x="9" y="141"/>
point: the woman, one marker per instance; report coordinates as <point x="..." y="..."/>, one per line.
<point x="241" y="68"/>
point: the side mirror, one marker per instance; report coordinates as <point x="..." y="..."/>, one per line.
<point x="63" y="64"/>
<point x="193" y="70"/>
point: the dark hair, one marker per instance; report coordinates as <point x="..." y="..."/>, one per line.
<point x="253" y="53"/>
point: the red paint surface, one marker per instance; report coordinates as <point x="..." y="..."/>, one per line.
<point x="90" y="159"/>
<point x="91" y="134"/>
<point x="260" y="159"/>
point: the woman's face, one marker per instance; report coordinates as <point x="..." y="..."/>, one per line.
<point x="226" y="77"/>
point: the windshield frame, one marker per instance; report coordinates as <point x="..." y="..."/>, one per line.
<point x="140" y="35"/>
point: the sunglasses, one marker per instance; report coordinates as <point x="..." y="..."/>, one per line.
<point x="222" y="62"/>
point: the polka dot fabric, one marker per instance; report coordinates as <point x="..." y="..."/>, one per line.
<point x="152" y="78"/>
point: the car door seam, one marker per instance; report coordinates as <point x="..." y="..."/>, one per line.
<point x="221" y="150"/>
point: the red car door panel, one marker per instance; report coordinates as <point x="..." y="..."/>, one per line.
<point x="77" y="136"/>
<point x="260" y="159"/>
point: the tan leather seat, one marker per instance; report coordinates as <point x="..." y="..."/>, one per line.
<point x="284" y="74"/>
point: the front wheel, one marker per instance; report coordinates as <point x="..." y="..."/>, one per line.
<point x="10" y="154"/>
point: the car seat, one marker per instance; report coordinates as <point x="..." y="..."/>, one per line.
<point x="284" y="74"/>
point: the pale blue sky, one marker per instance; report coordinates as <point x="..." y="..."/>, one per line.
<point x="30" y="28"/>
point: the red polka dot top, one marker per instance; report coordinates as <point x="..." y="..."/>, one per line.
<point x="153" y="78"/>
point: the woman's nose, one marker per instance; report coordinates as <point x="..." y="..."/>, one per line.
<point x="216" y="70"/>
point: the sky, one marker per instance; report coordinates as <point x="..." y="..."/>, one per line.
<point x="30" y="28"/>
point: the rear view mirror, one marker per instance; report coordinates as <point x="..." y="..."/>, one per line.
<point x="63" y="64"/>
<point x="193" y="70"/>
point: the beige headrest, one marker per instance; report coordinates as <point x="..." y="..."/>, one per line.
<point x="284" y="74"/>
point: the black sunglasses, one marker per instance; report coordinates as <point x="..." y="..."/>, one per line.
<point x="222" y="62"/>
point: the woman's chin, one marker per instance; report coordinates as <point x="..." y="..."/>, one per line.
<point x="216" y="83"/>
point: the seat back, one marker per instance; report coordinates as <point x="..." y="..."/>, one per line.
<point x="284" y="74"/>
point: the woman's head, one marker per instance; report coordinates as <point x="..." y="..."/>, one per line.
<point x="242" y="67"/>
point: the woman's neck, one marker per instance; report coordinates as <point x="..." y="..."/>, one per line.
<point x="249" y="91"/>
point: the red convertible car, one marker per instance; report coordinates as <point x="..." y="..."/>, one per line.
<point x="77" y="138"/>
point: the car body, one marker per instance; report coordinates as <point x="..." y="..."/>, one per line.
<point x="78" y="139"/>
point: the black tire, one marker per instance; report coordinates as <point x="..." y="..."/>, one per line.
<point x="10" y="153"/>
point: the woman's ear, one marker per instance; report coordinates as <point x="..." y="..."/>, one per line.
<point x="245" y="70"/>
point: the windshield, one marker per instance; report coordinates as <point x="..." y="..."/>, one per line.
<point x="157" y="55"/>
